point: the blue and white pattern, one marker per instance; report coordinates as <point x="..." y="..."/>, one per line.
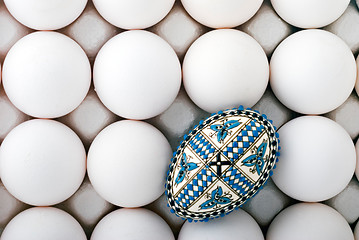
<point x="237" y="181"/>
<point x="195" y="187"/>
<point x="202" y="146"/>
<point x="216" y="199"/>
<point x="186" y="167"/>
<point x="257" y="159"/>
<point x="222" y="129"/>
<point x="244" y="140"/>
<point x="232" y="155"/>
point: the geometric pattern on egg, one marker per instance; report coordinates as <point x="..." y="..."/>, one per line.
<point x="223" y="162"/>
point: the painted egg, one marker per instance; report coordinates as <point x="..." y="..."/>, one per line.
<point x="221" y="164"/>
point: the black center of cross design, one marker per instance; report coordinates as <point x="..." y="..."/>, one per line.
<point x="218" y="162"/>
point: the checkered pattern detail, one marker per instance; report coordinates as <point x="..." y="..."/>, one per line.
<point x="243" y="141"/>
<point x="202" y="147"/>
<point x="195" y="188"/>
<point x="237" y="181"/>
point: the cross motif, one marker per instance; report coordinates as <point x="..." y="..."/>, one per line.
<point x="219" y="163"/>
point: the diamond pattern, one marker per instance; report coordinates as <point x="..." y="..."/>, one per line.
<point x="236" y="180"/>
<point x="193" y="189"/>
<point x="244" y="139"/>
<point x="202" y="147"/>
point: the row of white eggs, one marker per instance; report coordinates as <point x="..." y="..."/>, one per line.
<point x="137" y="75"/>
<point x="43" y="162"/>
<point x="300" y="221"/>
<point x="140" y="14"/>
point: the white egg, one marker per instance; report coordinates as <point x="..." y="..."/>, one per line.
<point x="222" y="14"/>
<point x="46" y="74"/>
<point x="312" y="72"/>
<point x="137" y="223"/>
<point x="317" y="159"/>
<point x="357" y="159"/>
<point x="42" y="162"/>
<point x="310" y="221"/>
<point x="356" y="231"/>
<point x="225" y="68"/>
<point x="310" y="13"/>
<point x="127" y="163"/>
<point x="45" y="14"/>
<point x="137" y="74"/>
<point x="237" y="225"/>
<point x="43" y="223"/>
<point x="133" y="14"/>
<point x="357" y="81"/>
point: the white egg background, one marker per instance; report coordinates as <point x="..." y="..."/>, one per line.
<point x="309" y="86"/>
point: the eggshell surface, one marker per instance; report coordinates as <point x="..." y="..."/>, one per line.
<point x="137" y="75"/>
<point x="127" y="163"/>
<point x="42" y="162"/>
<point x="133" y="14"/>
<point x="222" y="14"/>
<point x="238" y="224"/>
<point x="225" y="68"/>
<point x="317" y="159"/>
<point x="311" y="221"/>
<point x="312" y="72"/>
<point x="44" y="14"/>
<point x="310" y="13"/>
<point x="43" y="223"/>
<point x="134" y="223"/>
<point x="46" y="74"/>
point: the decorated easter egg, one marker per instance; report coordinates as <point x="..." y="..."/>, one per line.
<point x="221" y="164"/>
